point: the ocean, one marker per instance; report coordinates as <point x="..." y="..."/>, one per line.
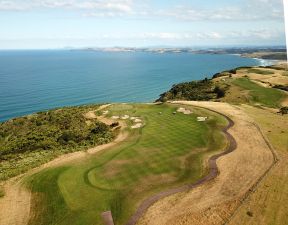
<point x="32" y="81"/>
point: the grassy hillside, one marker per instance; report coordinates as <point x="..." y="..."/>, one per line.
<point x="203" y="90"/>
<point x="29" y="141"/>
<point x="239" y="85"/>
<point x="168" y="151"/>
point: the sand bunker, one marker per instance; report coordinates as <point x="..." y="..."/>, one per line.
<point x="125" y="117"/>
<point x="137" y="125"/>
<point x="105" y="112"/>
<point x="201" y="118"/>
<point x="184" y="111"/>
<point x="115" y="117"/>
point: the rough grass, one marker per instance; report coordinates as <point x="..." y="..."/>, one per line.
<point x="269" y="203"/>
<point x="274" y="125"/>
<point x="265" y="96"/>
<point x="168" y="152"/>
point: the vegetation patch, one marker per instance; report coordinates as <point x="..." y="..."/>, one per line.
<point x="29" y="141"/>
<point x="202" y="90"/>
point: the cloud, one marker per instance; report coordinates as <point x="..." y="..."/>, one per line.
<point x="248" y="10"/>
<point x="101" y="5"/>
<point x="245" y="10"/>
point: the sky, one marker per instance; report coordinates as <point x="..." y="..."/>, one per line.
<point x="50" y="24"/>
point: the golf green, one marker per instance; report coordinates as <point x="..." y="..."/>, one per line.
<point x="168" y="151"/>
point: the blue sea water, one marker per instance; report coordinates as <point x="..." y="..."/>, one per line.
<point x="32" y="81"/>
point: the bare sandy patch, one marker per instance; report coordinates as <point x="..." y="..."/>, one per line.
<point x="15" y="205"/>
<point x="90" y="115"/>
<point x="239" y="171"/>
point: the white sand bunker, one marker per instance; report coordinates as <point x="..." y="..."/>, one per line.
<point x="184" y="111"/>
<point x="115" y="117"/>
<point x="201" y="118"/>
<point x="135" y="119"/>
<point x="137" y="125"/>
<point x="105" y="112"/>
<point x="125" y="117"/>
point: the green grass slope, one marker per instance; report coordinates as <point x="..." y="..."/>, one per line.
<point x="265" y="96"/>
<point x="167" y="152"/>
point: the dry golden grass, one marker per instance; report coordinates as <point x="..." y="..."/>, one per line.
<point x="275" y="78"/>
<point x="268" y="204"/>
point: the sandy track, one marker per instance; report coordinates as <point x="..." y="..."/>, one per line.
<point x="239" y="171"/>
<point x="15" y="205"/>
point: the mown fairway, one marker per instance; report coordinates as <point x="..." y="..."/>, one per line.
<point x="265" y="96"/>
<point x="167" y="152"/>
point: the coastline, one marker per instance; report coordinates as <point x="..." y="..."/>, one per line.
<point x="92" y="78"/>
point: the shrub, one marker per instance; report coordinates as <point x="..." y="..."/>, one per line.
<point x="249" y="213"/>
<point x="219" y="91"/>
<point x="115" y="124"/>
<point x="283" y="110"/>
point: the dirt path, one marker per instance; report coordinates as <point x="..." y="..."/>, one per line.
<point x="15" y="205"/>
<point x="238" y="172"/>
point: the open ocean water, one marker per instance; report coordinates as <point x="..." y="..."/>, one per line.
<point x="32" y="81"/>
